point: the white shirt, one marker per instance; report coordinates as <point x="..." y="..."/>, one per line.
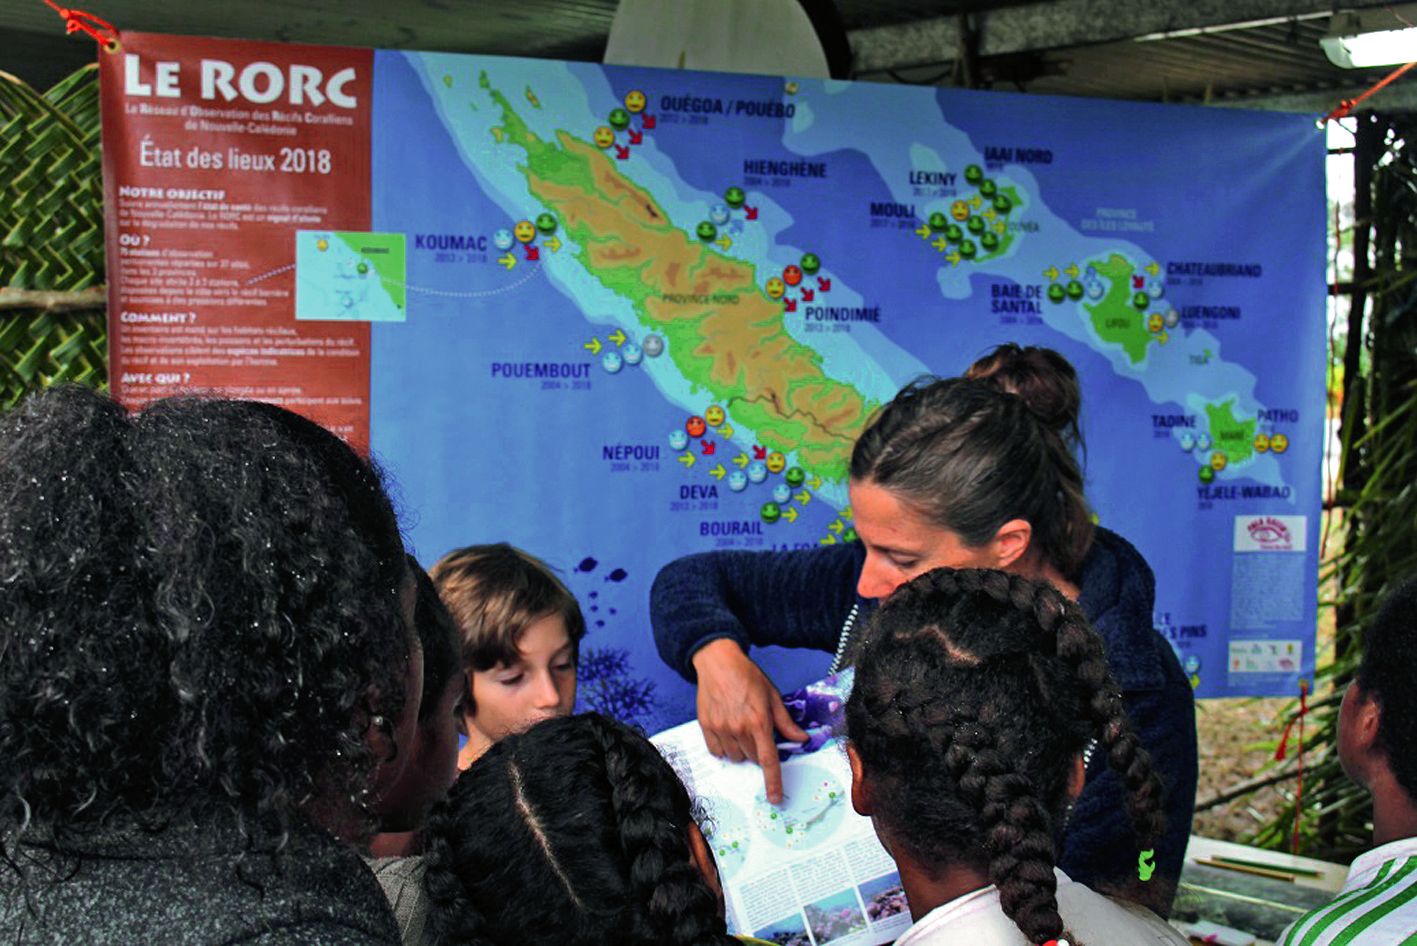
<point x="1092" y="919"/>
<point x="1376" y="907"/>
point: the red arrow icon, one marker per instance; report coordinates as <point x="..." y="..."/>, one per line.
<point x="709" y="447"/>
<point x="760" y="453"/>
<point x="807" y="294"/>
<point x="621" y="152"/>
<point x="648" y="120"/>
<point x="532" y="253"/>
<point x="825" y="285"/>
<point x="636" y="137"/>
<point x="1138" y="282"/>
<point x="789" y="305"/>
<point x="752" y="212"/>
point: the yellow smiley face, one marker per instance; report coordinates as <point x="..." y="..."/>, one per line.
<point x="1155" y="322"/>
<point x="1218" y="461"/>
<point x="524" y="231"/>
<point x="1279" y="443"/>
<point x="634" y="101"/>
<point x="714" y="415"/>
<point x="1261" y="443"/>
<point x="776" y="287"/>
<point x="604" y="137"/>
<point x="959" y="210"/>
<point x="776" y="462"/>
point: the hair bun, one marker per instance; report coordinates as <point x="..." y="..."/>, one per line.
<point x="1042" y="379"/>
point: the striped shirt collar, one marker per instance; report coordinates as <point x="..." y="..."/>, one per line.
<point x="1365" y="867"/>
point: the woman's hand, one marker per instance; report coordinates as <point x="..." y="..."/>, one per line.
<point x="739" y="708"/>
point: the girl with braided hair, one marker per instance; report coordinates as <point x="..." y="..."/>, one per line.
<point x="582" y="814"/>
<point x="975" y="696"/>
<point x="980" y="472"/>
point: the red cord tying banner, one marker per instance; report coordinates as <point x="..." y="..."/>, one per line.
<point x="1346" y="107"/>
<point x="81" y="21"/>
<point x="1283" y="750"/>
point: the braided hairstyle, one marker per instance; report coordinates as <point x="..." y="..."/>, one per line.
<point x="973" y="453"/>
<point x="584" y="815"/>
<point x="975" y="692"/>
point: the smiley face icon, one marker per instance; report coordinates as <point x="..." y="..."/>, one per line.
<point x="1279" y="443"/>
<point x="635" y="101"/>
<point x="775" y="288"/>
<point x="776" y="462"/>
<point x="959" y="210"/>
<point x="1261" y="443"/>
<point x="792" y="275"/>
<point x="695" y="426"/>
<point x="1218" y="459"/>
<point x="524" y="231"/>
<point x="714" y="416"/>
<point x="604" y="137"/>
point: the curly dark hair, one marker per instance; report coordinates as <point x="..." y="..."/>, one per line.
<point x="1388" y="674"/>
<point x="199" y="618"/>
<point x="975" y="692"/>
<point x="583" y="814"/>
<point x="972" y="455"/>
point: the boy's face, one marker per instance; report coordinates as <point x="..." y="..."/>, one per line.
<point x="540" y="685"/>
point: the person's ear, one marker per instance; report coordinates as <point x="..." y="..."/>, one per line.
<point x="1077" y="778"/>
<point x="1010" y="543"/>
<point x="860" y="788"/>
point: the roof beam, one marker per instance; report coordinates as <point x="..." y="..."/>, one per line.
<point x="1056" y="24"/>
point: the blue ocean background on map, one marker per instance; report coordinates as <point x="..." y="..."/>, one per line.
<point x="480" y="458"/>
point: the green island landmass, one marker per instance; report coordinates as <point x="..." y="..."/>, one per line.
<point x="1230" y="434"/>
<point x="722" y="330"/>
<point x="1114" y="317"/>
<point x="388" y="262"/>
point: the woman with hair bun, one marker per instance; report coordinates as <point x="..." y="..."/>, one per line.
<point x="977" y="472"/>
<point x="575" y="832"/>
<point x="207" y="675"/>
<point x="976" y="694"/>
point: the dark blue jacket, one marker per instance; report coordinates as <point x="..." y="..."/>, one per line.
<point x="802" y="599"/>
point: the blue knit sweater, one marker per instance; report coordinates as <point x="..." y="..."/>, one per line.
<point x="802" y="599"/>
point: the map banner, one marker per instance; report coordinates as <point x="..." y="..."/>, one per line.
<point x="616" y="315"/>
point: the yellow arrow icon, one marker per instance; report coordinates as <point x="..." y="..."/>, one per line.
<point x="827" y="540"/>
<point x="846" y="513"/>
<point x="1052" y="273"/>
<point x="815" y="482"/>
<point x="741" y="460"/>
<point x="790" y="514"/>
<point x="989" y="212"/>
<point x="593" y="346"/>
<point x="804" y="497"/>
<point x="507" y="260"/>
<point x="718" y="472"/>
<point x="1163" y="337"/>
<point x="953" y="258"/>
<point x="724" y="242"/>
<point x="1000" y="226"/>
<point x="975" y="202"/>
<point x="836" y="526"/>
<point x="552" y="243"/>
<point x="688" y="459"/>
<point x="1153" y="268"/>
<point x="726" y="432"/>
<point x="617" y="336"/>
<point x="924" y="232"/>
<point x="1072" y="270"/>
<point x="940" y="244"/>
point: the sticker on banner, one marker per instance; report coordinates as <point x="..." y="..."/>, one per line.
<point x="350" y="276"/>
<point x="1265" y="656"/>
<point x="1270" y="533"/>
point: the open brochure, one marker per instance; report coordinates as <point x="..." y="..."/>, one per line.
<point x="809" y="871"/>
